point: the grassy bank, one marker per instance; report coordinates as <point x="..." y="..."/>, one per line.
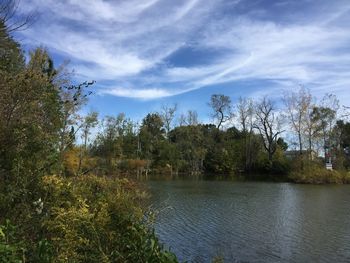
<point x="320" y="176"/>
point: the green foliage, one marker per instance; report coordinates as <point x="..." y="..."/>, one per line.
<point x="43" y="252"/>
<point x="282" y="144"/>
<point x="114" y="142"/>
<point x="342" y="152"/>
<point x="218" y="259"/>
<point x="190" y="143"/>
<point x="151" y="134"/>
<point x="11" y="251"/>
<point x="167" y="158"/>
<point x="280" y="165"/>
<point x="314" y="172"/>
<point x="85" y="219"/>
<point x="97" y="219"/>
<point x="223" y="148"/>
<point x="29" y="123"/>
<point x="11" y="55"/>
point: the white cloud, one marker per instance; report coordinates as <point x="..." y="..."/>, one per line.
<point x="122" y="37"/>
<point x="130" y="41"/>
<point x="92" y="11"/>
<point x="138" y="93"/>
<point x="260" y="50"/>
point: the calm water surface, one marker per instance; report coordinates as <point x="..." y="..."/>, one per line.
<point x="252" y="221"/>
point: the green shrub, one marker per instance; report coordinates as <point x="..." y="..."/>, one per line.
<point x="11" y="251"/>
<point x="313" y="172"/>
<point x="82" y="219"/>
<point x="98" y="219"/>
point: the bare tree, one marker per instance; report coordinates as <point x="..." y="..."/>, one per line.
<point x="298" y="105"/>
<point x="268" y="125"/>
<point x="245" y="110"/>
<point x="9" y="17"/>
<point x="191" y="118"/>
<point x="345" y="112"/>
<point x="182" y="119"/>
<point x="167" y="114"/>
<point x="222" y="109"/>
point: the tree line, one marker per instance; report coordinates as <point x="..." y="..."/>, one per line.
<point x="249" y="139"/>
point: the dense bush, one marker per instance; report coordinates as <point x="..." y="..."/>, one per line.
<point x="11" y="251"/>
<point x="84" y="219"/>
<point x="98" y="219"/>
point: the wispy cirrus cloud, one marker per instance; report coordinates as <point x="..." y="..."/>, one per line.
<point x="138" y="43"/>
<point x="144" y="94"/>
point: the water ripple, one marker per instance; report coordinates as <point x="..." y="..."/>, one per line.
<point x="253" y="222"/>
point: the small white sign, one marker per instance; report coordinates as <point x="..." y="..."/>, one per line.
<point x="329" y="166"/>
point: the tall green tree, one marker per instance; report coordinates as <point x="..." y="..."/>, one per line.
<point x="190" y="142"/>
<point x="30" y="120"/>
<point x="151" y="133"/>
<point x="324" y="116"/>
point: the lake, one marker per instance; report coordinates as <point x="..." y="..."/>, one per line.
<point x="252" y="221"/>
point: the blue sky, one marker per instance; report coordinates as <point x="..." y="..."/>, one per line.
<point x="146" y="53"/>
